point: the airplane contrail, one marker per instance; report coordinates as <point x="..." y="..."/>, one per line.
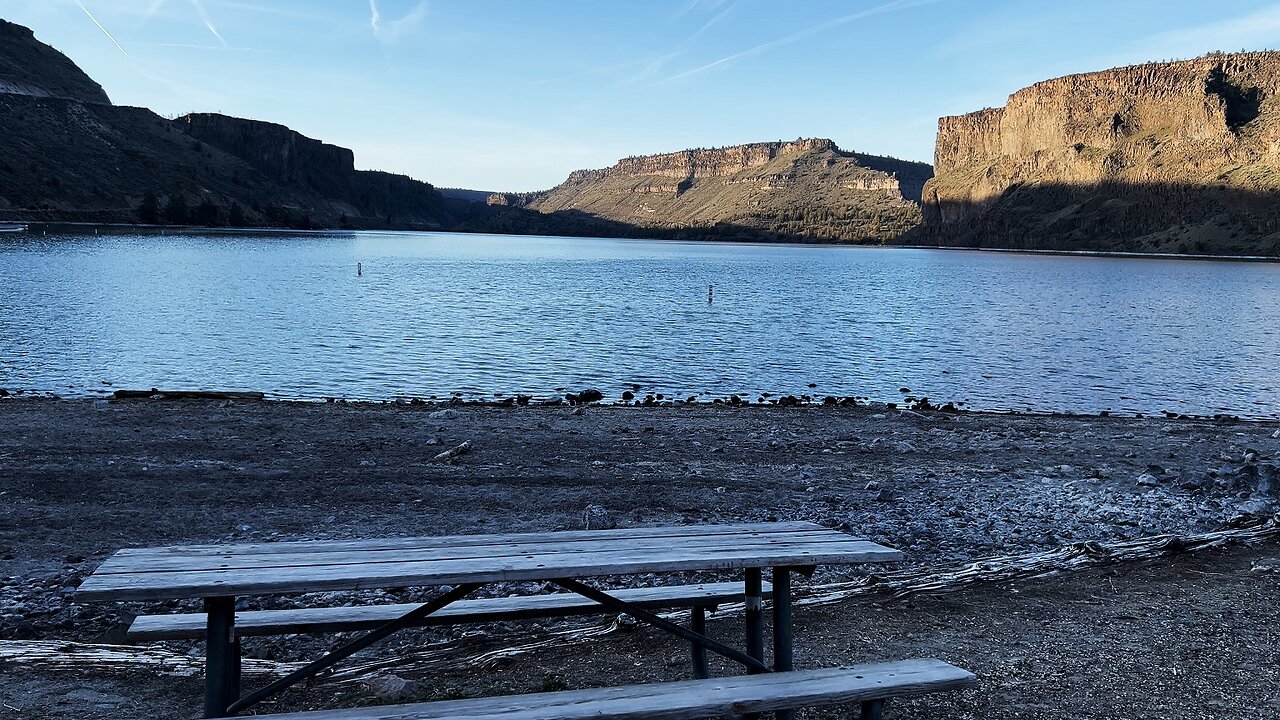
<point x="207" y="23"/>
<point x="104" y="30"/>
<point x="375" y="18"/>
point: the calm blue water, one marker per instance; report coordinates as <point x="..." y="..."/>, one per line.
<point x="437" y="313"/>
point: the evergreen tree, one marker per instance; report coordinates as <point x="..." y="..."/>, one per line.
<point x="149" y="209"/>
<point x="235" y="216"/>
<point x="206" y="214"/>
<point x="175" y="211"/>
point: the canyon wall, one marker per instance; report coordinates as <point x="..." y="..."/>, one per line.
<point x="1177" y="157"/>
<point x="806" y="189"/>
<point x="368" y="198"/>
<point x="68" y="154"/>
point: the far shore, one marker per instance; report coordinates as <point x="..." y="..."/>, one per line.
<point x="720" y="241"/>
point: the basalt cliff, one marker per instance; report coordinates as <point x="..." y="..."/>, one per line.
<point x="1178" y="157"/>
<point x="804" y="190"/>
<point x="68" y="154"/>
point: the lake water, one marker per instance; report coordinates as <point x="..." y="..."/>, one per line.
<point x="438" y="313"/>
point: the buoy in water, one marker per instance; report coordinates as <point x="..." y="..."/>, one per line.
<point x="711" y="291"/>
<point x="359" y="269"/>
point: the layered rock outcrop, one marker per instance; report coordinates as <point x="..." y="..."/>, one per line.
<point x="807" y="189"/>
<point x="1177" y="157"/>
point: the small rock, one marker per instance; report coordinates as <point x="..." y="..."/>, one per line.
<point x="873" y="485"/>
<point x="445" y="414"/>
<point x="885" y="495"/>
<point x="597" y="517"/>
<point x="391" y="688"/>
<point x="1147" y="480"/>
<point x="586" y="396"/>
<point x="1267" y="565"/>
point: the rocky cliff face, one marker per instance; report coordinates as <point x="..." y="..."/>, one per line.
<point x="29" y="67"/>
<point x="327" y="171"/>
<point x="276" y="151"/>
<point x="66" y="153"/>
<point x="1167" y="157"/>
<point x="806" y="189"/>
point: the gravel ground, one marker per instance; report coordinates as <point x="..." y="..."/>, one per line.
<point x="1186" y="637"/>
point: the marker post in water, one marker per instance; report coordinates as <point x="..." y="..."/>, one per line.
<point x="359" y="269"/>
<point x="711" y="291"/>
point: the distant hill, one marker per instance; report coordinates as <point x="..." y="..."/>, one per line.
<point x="1175" y="157"/>
<point x="477" y="196"/>
<point x="805" y="190"/>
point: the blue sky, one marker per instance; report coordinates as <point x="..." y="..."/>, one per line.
<point x="514" y="94"/>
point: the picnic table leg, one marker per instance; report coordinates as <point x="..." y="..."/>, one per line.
<point x="698" y="624"/>
<point x="783" y="651"/>
<point x="755" y="614"/>
<point x="222" y="657"/>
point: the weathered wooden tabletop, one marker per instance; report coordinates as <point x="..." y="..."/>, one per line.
<point x="284" y="567"/>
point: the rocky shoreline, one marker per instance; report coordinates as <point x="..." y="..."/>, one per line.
<point x="83" y="478"/>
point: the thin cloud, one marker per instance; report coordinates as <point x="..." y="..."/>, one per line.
<point x="1257" y="30"/>
<point x="204" y="17"/>
<point x="693" y="5"/>
<point x="104" y="30"/>
<point x="801" y="35"/>
<point x="710" y="23"/>
<point x="391" y="31"/>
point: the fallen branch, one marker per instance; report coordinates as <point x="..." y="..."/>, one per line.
<point x="453" y="453"/>
<point x="65" y="655"/>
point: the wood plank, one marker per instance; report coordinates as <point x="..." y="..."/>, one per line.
<point x="445" y="541"/>
<point x="684" y="700"/>
<point x="161" y="585"/>
<point x="521" y="607"/>
<point x="232" y="561"/>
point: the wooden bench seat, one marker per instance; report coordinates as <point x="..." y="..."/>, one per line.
<point x="343" y="619"/>
<point x="686" y="700"/>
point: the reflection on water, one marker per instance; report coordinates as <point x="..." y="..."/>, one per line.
<point x="436" y="313"/>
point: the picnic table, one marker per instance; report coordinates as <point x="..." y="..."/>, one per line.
<point x="221" y="573"/>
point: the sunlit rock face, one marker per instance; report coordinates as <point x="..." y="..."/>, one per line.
<point x="1173" y="157"/>
<point x="807" y="188"/>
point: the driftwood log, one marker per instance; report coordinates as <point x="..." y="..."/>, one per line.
<point x="487" y="650"/>
<point x="186" y="395"/>
<point x="453" y="453"/>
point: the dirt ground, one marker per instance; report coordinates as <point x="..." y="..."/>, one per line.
<point x="1189" y="636"/>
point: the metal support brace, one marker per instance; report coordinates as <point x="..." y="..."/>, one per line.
<point x="409" y="619"/>
<point x="783" y="652"/>
<point x="222" y="657"/>
<point x="643" y="615"/>
<point x="698" y="624"/>
<point x="755" y="614"/>
<point x="872" y="710"/>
